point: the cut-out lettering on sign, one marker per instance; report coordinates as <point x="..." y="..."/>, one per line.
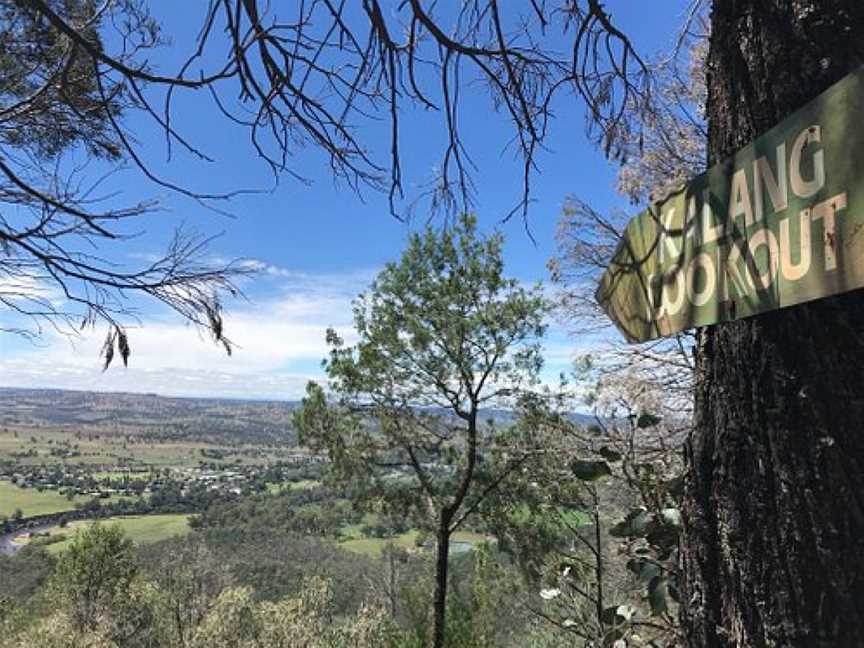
<point x="778" y="224"/>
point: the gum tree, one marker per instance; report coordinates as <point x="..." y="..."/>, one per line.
<point x="773" y="520"/>
<point x="772" y="525"/>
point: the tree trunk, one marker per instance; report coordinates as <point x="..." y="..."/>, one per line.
<point x="773" y="546"/>
<point x="442" y="556"/>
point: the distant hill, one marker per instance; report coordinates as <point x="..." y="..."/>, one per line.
<point x="219" y="420"/>
<point x="228" y="421"/>
<point x="503" y="417"/>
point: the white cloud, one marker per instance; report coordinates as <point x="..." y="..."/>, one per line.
<point x="30" y="291"/>
<point x="279" y="345"/>
<point x="279" y="342"/>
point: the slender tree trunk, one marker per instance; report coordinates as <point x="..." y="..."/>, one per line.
<point x="600" y="604"/>
<point x="391" y="580"/>
<point x="442" y="557"/>
<point x="773" y="546"/>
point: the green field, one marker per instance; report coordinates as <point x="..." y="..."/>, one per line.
<point x="32" y="502"/>
<point x="353" y="538"/>
<point x="142" y="529"/>
<point x="408" y="540"/>
<point x="105" y="450"/>
<point x="109" y="448"/>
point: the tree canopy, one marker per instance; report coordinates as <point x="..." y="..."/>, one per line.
<point x="445" y="341"/>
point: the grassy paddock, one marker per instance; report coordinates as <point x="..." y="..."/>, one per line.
<point x="32" y="502"/>
<point x="141" y="529"/>
<point x="374" y="546"/>
<point x="108" y="447"/>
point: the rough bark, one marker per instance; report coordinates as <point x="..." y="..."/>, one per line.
<point x="773" y="547"/>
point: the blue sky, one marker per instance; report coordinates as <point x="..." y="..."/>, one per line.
<point x="320" y="245"/>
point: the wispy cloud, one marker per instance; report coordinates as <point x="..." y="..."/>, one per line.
<point x="280" y="342"/>
<point x="30" y="289"/>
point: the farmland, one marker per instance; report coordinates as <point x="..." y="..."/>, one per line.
<point x="105" y="431"/>
<point x="122" y="453"/>
<point x="228" y="473"/>
<point x="142" y="530"/>
<point x="31" y="502"/>
<point x="359" y="543"/>
<point x="251" y="507"/>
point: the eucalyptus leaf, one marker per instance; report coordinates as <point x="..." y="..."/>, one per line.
<point x="609" y="454"/>
<point x="616" y="615"/>
<point x="588" y="470"/>
<point x="675" y="486"/>
<point x="658" y="590"/>
<point x="633" y="526"/>
<point x="644" y="570"/>
<point x="647" y="421"/>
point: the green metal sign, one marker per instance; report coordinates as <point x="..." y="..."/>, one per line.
<point x="778" y="224"/>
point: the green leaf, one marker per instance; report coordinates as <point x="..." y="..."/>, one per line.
<point x="647" y="421"/>
<point x="617" y="614"/>
<point x="590" y="470"/>
<point x="609" y="454"/>
<point x="664" y="529"/>
<point x="633" y="525"/>
<point x="674" y="593"/>
<point x="675" y="486"/>
<point x="645" y="570"/>
<point x="658" y="590"/>
<point x="574" y="518"/>
<point x="609" y="615"/>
